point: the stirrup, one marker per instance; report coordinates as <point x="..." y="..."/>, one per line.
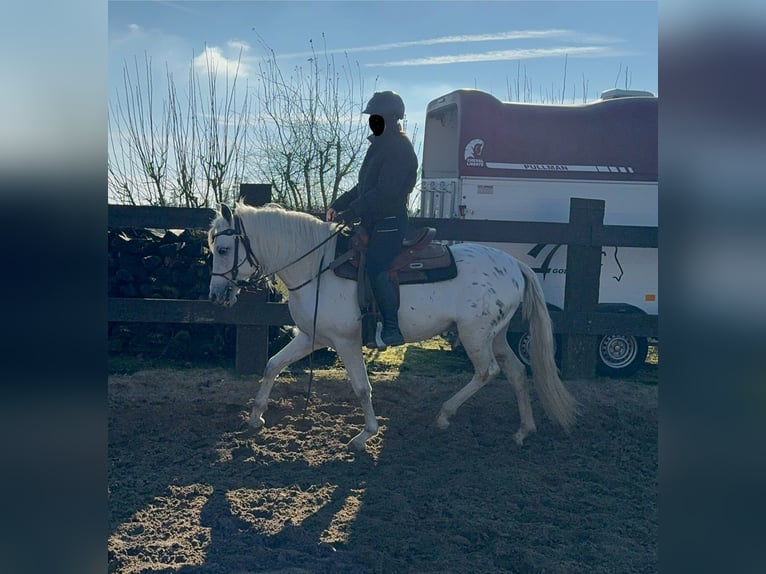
<point x="393" y="338"/>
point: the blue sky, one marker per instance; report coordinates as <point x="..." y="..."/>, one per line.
<point x="420" y="49"/>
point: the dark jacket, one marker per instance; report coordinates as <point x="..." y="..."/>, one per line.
<point x="388" y="175"/>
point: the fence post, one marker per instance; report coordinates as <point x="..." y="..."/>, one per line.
<point x="255" y="193"/>
<point x="578" y="355"/>
<point x="252" y="350"/>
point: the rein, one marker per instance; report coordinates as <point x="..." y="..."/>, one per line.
<point x="333" y="234"/>
<point x="313" y="339"/>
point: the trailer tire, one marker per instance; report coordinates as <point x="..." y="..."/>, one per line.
<point x="519" y="342"/>
<point x="620" y="356"/>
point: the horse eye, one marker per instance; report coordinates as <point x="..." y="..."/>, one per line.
<point x="223" y="250"/>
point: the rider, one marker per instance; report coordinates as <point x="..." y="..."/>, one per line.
<point x="386" y="178"/>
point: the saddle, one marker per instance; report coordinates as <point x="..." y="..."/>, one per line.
<point x="420" y="260"/>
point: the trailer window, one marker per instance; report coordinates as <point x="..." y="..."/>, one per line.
<point x="440" y="146"/>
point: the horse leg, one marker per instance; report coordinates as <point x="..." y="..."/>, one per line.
<point x="295" y="350"/>
<point x="514" y="370"/>
<point x="485" y="367"/>
<point x="351" y="355"/>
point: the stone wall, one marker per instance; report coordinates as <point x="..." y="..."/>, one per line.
<point x="149" y="263"/>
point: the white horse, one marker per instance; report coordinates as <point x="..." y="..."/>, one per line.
<point x="480" y="302"/>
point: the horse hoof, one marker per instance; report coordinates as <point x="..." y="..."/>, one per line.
<point x="523" y="433"/>
<point x="355" y="446"/>
<point x="442" y="422"/>
<point x="257" y="422"/>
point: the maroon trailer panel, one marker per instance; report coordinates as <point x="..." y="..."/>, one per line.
<point x="611" y="139"/>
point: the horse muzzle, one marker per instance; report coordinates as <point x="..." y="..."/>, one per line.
<point x="225" y="296"/>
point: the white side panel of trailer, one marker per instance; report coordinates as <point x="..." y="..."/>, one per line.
<point x="628" y="275"/>
<point x="627" y="202"/>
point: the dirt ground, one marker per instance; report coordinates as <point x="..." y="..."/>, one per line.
<point x="192" y="490"/>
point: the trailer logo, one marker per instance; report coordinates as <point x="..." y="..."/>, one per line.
<point x="545" y="267"/>
<point x="473" y="153"/>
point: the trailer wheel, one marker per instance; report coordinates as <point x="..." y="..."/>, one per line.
<point x="621" y="355"/>
<point x="519" y="343"/>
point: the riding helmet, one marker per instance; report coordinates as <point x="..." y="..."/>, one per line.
<point x="386" y="104"/>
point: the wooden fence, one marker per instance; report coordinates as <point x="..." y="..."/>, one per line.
<point x="579" y="324"/>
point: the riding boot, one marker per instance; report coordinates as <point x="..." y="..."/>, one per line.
<point x="387" y="298"/>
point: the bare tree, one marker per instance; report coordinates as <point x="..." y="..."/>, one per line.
<point x="584" y="89"/>
<point x="184" y="139"/>
<point x="309" y="135"/>
<point x="188" y="153"/>
<point x="520" y="89"/>
<point x="221" y="134"/>
<point x="139" y="140"/>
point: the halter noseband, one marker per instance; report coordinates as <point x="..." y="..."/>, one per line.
<point x="239" y="234"/>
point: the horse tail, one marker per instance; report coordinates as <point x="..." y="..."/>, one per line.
<point x="558" y="403"/>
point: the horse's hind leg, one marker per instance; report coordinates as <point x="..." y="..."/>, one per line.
<point x="485" y="367"/>
<point x="513" y="368"/>
<point x="295" y="350"/>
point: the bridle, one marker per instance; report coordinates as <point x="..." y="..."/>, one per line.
<point x="240" y="235"/>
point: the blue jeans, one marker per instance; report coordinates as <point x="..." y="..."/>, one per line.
<point x="386" y="238"/>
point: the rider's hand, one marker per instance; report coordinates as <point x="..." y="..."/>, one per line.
<point x="344" y="217"/>
<point x="330" y="215"/>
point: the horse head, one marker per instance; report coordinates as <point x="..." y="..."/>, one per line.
<point x="233" y="258"/>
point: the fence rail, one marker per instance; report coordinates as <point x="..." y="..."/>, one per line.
<point x="579" y="324"/>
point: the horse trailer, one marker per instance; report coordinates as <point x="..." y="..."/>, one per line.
<point x="485" y="159"/>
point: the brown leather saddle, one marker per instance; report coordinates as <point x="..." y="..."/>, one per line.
<point x="421" y="259"/>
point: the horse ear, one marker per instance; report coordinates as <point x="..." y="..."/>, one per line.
<point x="226" y="212"/>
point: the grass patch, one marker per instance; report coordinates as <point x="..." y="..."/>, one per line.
<point x="653" y="355"/>
<point x="129" y="364"/>
<point x="431" y="358"/>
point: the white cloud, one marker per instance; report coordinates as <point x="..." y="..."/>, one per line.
<point x="462" y="39"/>
<point x="213" y="58"/>
<point x="238" y="46"/>
<point x="497" y="55"/>
<point x="468" y="38"/>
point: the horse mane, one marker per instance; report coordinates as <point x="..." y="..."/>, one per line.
<point x="276" y="233"/>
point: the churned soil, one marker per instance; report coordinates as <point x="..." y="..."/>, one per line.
<point x="193" y="490"/>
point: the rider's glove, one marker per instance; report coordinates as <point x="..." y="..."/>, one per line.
<point x="346" y="217"/>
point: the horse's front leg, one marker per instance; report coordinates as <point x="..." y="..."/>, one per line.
<point x="351" y="355"/>
<point x="295" y="350"/>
